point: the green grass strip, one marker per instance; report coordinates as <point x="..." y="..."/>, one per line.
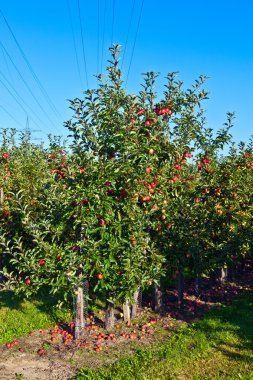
<point x="19" y="316"/>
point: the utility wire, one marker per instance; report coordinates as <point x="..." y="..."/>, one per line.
<point x="81" y="29"/>
<point x="49" y="101"/>
<point x="113" y="13"/>
<point x="14" y="97"/>
<point x="98" y="36"/>
<point x="128" y="32"/>
<point x="74" y="41"/>
<point x="24" y="102"/>
<point x="27" y="86"/>
<point x="6" y="63"/>
<point x="103" y="38"/>
<point x="135" y="38"/>
<point x="13" y="118"/>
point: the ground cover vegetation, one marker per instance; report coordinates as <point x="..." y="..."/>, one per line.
<point x="139" y="197"/>
<point x="209" y="336"/>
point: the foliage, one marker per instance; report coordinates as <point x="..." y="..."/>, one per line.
<point x="141" y="192"/>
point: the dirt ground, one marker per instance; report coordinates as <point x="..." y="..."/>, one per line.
<point x="38" y="357"/>
<point x="53" y="354"/>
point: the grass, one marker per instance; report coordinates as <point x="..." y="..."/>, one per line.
<point x="19" y="316"/>
<point x="218" y="347"/>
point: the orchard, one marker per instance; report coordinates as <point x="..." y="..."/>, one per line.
<point x="139" y="197"/>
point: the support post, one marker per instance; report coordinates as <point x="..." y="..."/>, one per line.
<point x="126" y="311"/>
<point x="79" y="317"/>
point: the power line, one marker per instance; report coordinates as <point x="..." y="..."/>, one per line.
<point x="44" y="92"/>
<point x="27" y="86"/>
<point x="135" y="38"/>
<point x="103" y="38"/>
<point x="8" y="113"/>
<point x="74" y="41"/>
<point x="81" y="29"/>
<point x="98" y="36"/>
<point x="128" y="32"/>
<point x="24" y="102"/>
<point x="19" y="103"/>
<point x="113" y="13"/>
<point x="6" y="63"/>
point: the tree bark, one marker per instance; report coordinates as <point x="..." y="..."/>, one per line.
<point x="126" y="311"/>
<point x="223" y="274"/>
<point x="79" y="317"/>
<point x="109" y="316"/>
<point x="158" y="298"/>
<point x="135" y="305"/>
<point x="197" y="284"/>
<point x="1" y="197"/>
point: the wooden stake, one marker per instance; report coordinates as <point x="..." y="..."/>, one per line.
<point x="135" y="304"/>
<point x="109" y="316"/>
<point x="79" y="318"/>
<point x="126" y="311"/>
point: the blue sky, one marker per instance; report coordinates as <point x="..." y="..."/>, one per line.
<point x="195" y="37"/>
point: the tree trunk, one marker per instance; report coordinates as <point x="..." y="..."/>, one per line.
<point x="158" y="298"/>
<point x="126" y="311"/>
<point x="197" y="284"/>
<point x="223" y="274"/>
<point x="180" y="288"/>
<point x="79" y="317"/>
<point x="109" y="316"/>
<point x="1" y="197"/>
<point x="135" y="305"/>
<point x="213" y="278"/>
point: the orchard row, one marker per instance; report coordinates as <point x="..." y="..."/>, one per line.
<point x="141" y="192"/>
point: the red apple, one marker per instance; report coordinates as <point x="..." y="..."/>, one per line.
<point x="168" y="111"/>
<point x="84" y="202"/>
<point x="141" y="111"/>
<point x="205" y="161"/>
<point x="149" y="122"/>
<point x="5" y="155"/>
